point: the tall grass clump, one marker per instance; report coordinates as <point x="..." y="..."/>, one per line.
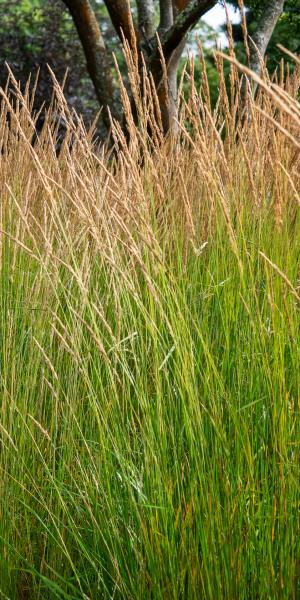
<point x="149" y="349"/>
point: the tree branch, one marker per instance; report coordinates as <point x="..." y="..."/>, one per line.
<point x="186" y="20"/>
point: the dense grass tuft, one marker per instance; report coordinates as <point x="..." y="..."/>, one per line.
<point x="149" y="354"/>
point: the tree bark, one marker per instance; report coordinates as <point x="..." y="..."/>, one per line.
<point x="186" y="20"/>
<point x="166" y="15"/>
<point x="178" y="6"/>
<point x="173" y="40"/>
<point x="98" y="64"/>
<point x="146" y="18"/>
<point x="121" y="18"/>
<point x="263" y="33"/>
<point x="168" y="92"/>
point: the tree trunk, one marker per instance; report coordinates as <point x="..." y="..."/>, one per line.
<point x="177" y="18"/>
<point x="167" y="91"/>
<point x="121" y="18"/>
<point x="98" y="64"/>
<point x="146" y="18"/>
<point x="263" y="33"/>
<point x="166" y="15"/>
